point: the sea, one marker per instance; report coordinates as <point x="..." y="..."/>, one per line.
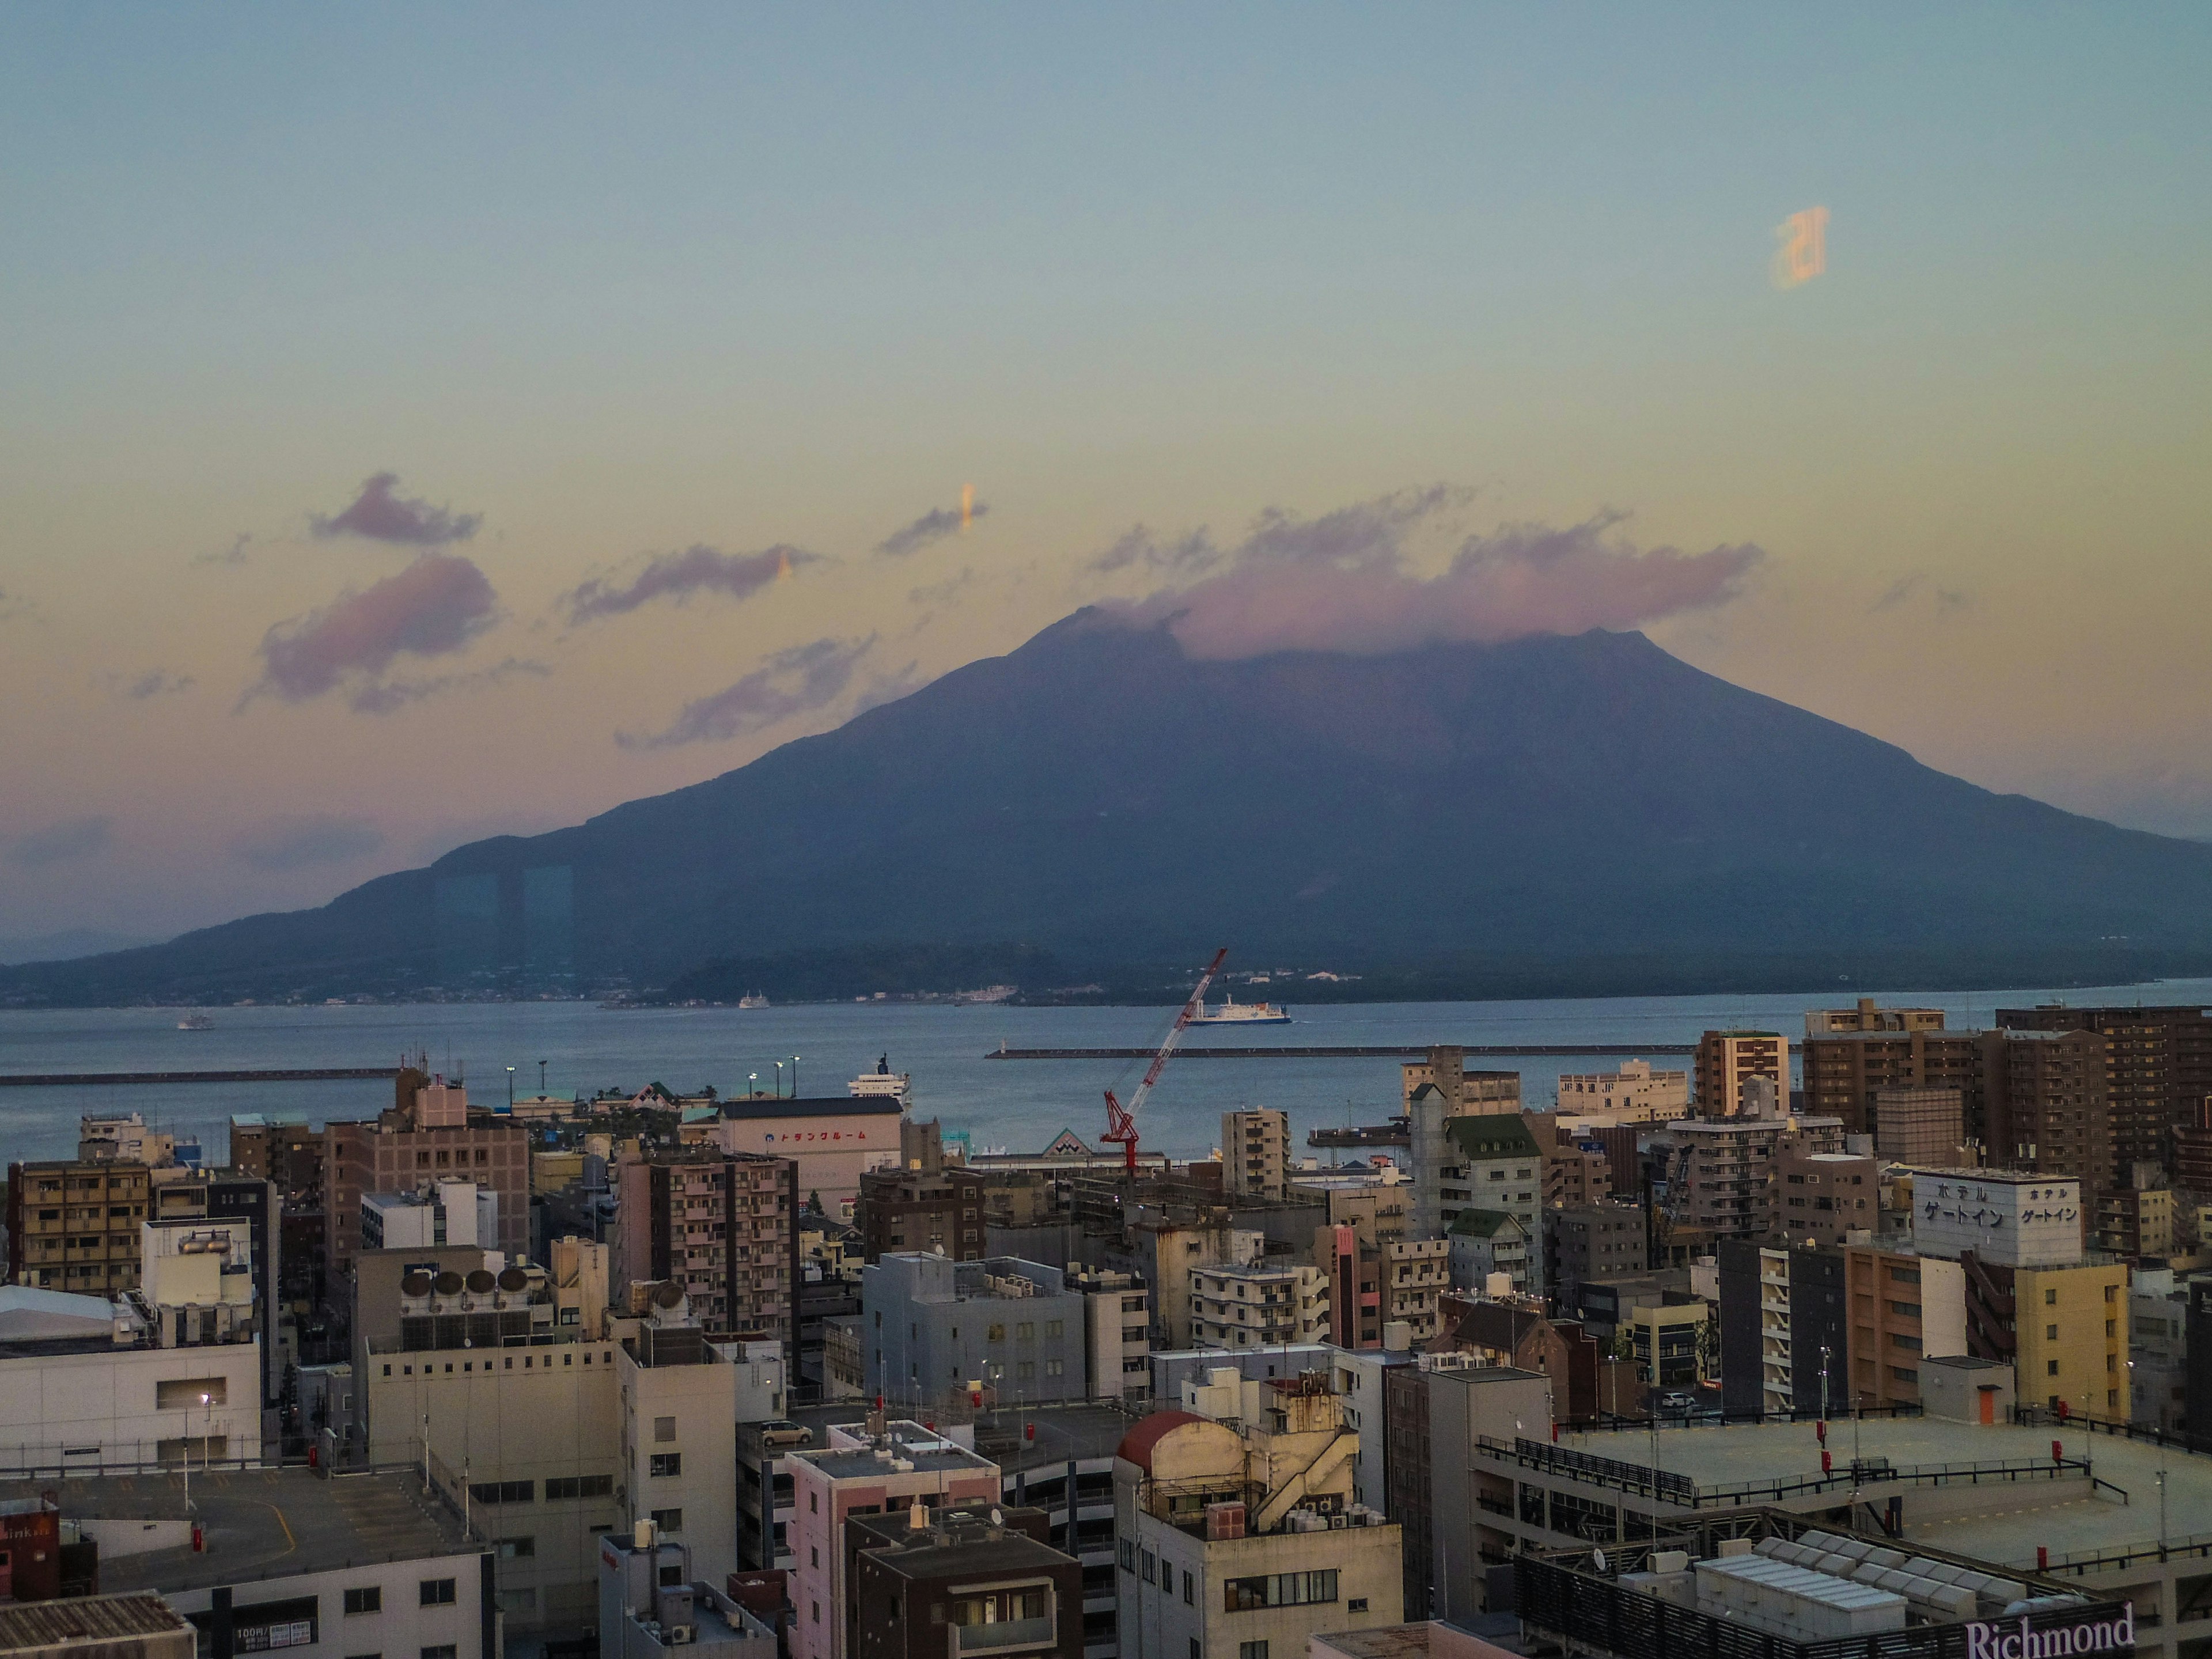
<point x="1018" y="1105"/>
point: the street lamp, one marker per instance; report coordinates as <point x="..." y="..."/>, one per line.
<point x="510" y="1088"/>
<point x="541" y="1077"/>
<point x="779" y="1079"/>
<point x="753" y="1078"/>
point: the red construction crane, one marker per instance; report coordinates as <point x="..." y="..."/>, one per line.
<point x="1121" y="1120"/>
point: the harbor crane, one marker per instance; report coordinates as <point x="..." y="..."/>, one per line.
<point x="1121" y="1120"/>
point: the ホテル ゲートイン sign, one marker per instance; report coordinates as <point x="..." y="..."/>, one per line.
<point x="2006" y="1641"/>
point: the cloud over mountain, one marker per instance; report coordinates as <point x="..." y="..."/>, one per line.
<point x="379" y="514"/>
<point x="435" y="607"/>
<point x="793" y="682"/>
<point x="63" y="843"/>
<point x="1346" y="581"/>
<point x="933" y="525"/>
<point x="678" y="576"/>
<point x="298" y="842"/>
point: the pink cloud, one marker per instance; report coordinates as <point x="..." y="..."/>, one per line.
<point x="435" y="606"/>
<point x="696" y="569"/>
<point x="1342" y="583"/>
<point x="381" y="515"/>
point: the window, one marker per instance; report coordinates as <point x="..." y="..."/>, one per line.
<point x="1357" y="1604"/>
<point x="1279" y="1590"/>
<point x="1189" y="1588"/>
<point x="505" y="1491"/>
<point x="1193" y="1648"/>
<point x="369" y="1599"/>
<point x="2050" y="1368"/>
<point x="1145" y="1558"/>
<point x="1251" y="1650"/>
<point x="996" y="1334"/>
<point x="183" y="1394"/>
<point x="663" y="1463"/>
<point x="438" y="1593"/>
<point x="582" y="1485"/>
<point x="517" y="1549"/>
<point x="1128" y="1556"/>
<point x="813" y="1556"/>
<point x="1059" y="1327"/>
<point x="817" y="1613"/>
<point x="2051" y="1298"/>
<point x="444" y="1650"/>
<point x="664" y="1429"/>
<point x="814" y="1503"/>
<point x="668" y="1520"/>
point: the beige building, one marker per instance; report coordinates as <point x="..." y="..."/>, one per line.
<point x="436" y="1136"/>
<point x="1866" y="1016"/>
<point x="1634" y="1094"/>
<point x="1255" y="1152"/>
<point x="1241" y="1543"/>
<point x="1464" y="1093"/>
<point x="73" y="1226"/>
<point x="2072" y="1328"/>
<point x="1258" y="1307"/>
<point x="1902" y="1310"/>
<point x="1823" y="1198"/>
<point x="1920" y="1126"/>
<point x="1727" y="1061"/>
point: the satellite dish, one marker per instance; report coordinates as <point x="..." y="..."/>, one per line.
<point x="996" y="1519"/>
<point x="1597" y="1558"/>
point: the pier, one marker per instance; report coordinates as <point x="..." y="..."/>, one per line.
<point x="1200" y="1051"/>
<point x="124" y="1079"/>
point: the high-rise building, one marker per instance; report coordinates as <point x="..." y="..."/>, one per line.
<point x="1903" y="1309"/>
<point x="940" y="1210"/>
<point x="1591" y="1241"/>
<point x="2157" y="1070"/>
<point x="1823" y="1198"/>
<point x="931" y="1329"/>
<point x="722" y="1225"/>
<point x="1463" y="1091"/>
<point x="1845" y="1069"/>
<point x="1714" y="1177"/>
<point x="2049" y="1111"/>
<point x="1728" y="1060"/>
<point x="1255" y="1153"/>
<point x="1784" y="1330"/>
<point x="1492" y="1161"/>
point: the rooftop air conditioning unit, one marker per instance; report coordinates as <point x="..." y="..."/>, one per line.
<point x="1339" y="1522"/>
<point x="680" y="1634"/>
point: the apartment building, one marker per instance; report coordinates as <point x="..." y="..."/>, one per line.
<point x="932" y="1330"/>
<point x="433" y="1134"/>
<point x="724" y="1227"/>
<point x="1823" y="1198"/>
<point x="2156" y="1069"/>
<point x="1845" y="1069"/>
<point x="2158" y="1349"/>
<point x="834" y="1141"/>
<point x="1416" y="1273"/>
<point x="940" y="1210"/>
<point x="1727" y="1061"/>
<point x="678" y="1396"/>
<point x="2053" y="1115"/>
<point x="1576" y="1171"/>
<point x="882" y="1467"/>
<point x="1920" y="1126"/>
<point x="1634" y="1094"/>
<point x="2139" y="1219"/>
<point x="1223" y="1554"/>
<point x="1903" y="1309"/>
<point x="1255" y="1153"/>
<point x="1265" y="1305"/>
<point x="1490" y="1161"/>
<point x="985" y="1577"/>
<point x="73" y="1225"/>
<point x="2070" y="1327"/>
<point x="1715" y="1176"/>
<point x="1463" y="1091"/>
<point x="1785" y="1336"/>
<point x="1486" y="1244"/>
<point x="1868" y="1017"/>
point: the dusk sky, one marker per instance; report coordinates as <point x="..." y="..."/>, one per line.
<point x="425" y="424"/>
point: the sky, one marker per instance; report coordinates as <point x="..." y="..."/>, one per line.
<point x="421" y="423"/>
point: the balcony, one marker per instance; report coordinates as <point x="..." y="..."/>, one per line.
<point x="1006" y="1635"/>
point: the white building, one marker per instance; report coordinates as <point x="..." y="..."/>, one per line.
<point x="452" y="1213"/>
<point x="1634" y="1094"/>
<point x="1241" y="1545"/>
<point x="678" y="1434"/>
<point x="1259" y="1306"/>
<point x="2003" y="1216"/>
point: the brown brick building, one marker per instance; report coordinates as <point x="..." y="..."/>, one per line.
<point x="433" y="1134"/>
<point x="2158" y="1073"/>
<point x="723" y="1226"/>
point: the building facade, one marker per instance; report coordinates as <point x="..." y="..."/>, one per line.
<point x="724" y="1227"/>
<point x="1727" y="1061"/>
<point x="1255" y="1153"/>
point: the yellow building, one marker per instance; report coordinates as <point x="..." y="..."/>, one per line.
<point x="2072" y="1327"/>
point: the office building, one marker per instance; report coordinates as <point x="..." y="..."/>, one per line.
<point x="940" y="1210"/>
<point x="1634" y="1094"/>
<point x="1727" y="1061"/>
<point x="2156" y="1065"/>
<point x="374" y="1563"/>
<point x="1903" y="1309"/>
<point x="934" y="1329"/>
<point x="977" y="1579"/>
<point x="1464" y="1093"/>
<point x="679" y="1401"/>
<point x="2064" y="1330"/>
<point x="1920" y="1126"/>
<point x="1868" y="1017"/>
<point x="653" y="1598"/>
<point x="723" y="1226"/>
<point x="433" y="1134"/>
<point x="2006" y="1218"/>
<point x="1220" y="1553"/>
<point x="882" y="1468"/>
<point x="1590" y="1241"/>
<point x="1255" y="1153"/>
<point x="1715" y="1176"/>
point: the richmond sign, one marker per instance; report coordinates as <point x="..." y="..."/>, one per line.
<point x="1992" y="1641"/>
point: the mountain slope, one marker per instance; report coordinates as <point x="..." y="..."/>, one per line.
<point x="1098" y="795"/>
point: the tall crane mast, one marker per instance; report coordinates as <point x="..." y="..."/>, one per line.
<point x="1121" y="1120"/>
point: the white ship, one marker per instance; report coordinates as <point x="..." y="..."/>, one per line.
<point x="196" y="1023"/>
<point x="757" y="999"/>
<point x="1233" y="1012"/>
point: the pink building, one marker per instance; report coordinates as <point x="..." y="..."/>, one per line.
<point x="859" y="1472"/>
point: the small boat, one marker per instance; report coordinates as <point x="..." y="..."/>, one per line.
<point x="757" y="999"/>
<point x="1233" y="1012"/>
<point x="196" y="1023"/>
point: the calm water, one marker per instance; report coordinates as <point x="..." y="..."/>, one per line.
<point x="1019" y="1104"/>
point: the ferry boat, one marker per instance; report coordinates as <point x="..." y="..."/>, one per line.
<point x="757" y="999"/>
<point x="1233" y="1012"/>
<point x="196" y="1023"/>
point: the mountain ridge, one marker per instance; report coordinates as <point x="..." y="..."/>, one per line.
<point x="1101" y="797"/>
